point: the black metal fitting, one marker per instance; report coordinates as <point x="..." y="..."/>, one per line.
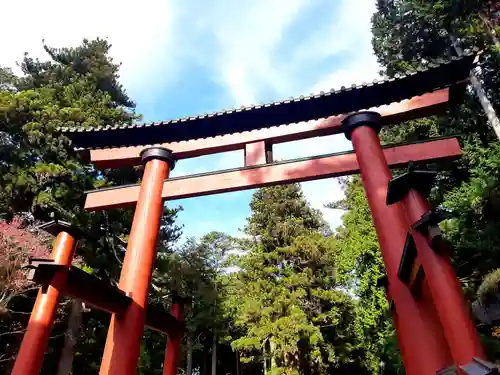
<point x="55" y="227"/>
<point x="428" y="225"/>
<point x="365" y="118"/>
<point x="159" y="153"/>
<point x="400" y="186"/>
<point x="408" y="258"/>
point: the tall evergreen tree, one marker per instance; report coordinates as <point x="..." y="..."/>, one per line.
<point x="285" y="297"/>
<point x="361" y="267"/>
<point x="41" y="173"/>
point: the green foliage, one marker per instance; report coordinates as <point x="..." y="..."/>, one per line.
<point x="188" y="271"/>
<point x="360" y="267"/>
<point x="489" y="288"/>
<point x="410" y="34"/>
<point x="40" y="173"/>
<point x="285" y="298"/>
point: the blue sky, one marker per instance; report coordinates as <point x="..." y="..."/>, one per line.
<point x="188" y="57"/>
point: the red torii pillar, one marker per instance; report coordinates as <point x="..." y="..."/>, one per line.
<point x="173" y="351"/>
<point x="423" y="347"/>
<point x="445" y="289"/>
<point x="30" y="357"/>
<point x="121" y="353"/>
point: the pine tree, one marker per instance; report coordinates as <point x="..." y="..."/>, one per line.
<point x="40" y="172"/>
<point x="285" y="297"/>
<point x="360" y="269"/>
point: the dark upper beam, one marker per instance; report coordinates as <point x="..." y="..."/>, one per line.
<point x="307" y="108"/>
<point x="428" y="104"/>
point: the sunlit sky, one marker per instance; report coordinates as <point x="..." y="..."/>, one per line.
<point x="188" y="57"/>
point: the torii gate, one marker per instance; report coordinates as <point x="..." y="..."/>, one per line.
<point x="434" y="328"/>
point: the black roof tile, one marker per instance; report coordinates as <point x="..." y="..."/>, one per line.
<point x="304" y="108"/>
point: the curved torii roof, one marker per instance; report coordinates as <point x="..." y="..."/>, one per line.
<point x="304" y="108"/>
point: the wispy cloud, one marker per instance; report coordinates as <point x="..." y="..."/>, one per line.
<point x="278" y="48"/>
<point x="141" y="33"/>
<point x="218" y="53"/>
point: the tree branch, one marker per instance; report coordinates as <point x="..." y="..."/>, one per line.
<point x="18" y="312"/>
<point x="12" y="333"/>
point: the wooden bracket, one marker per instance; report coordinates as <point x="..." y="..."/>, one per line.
<point x="400" y="186"/>
<point x="428" y="226"/>
<point x="410" y="269"/>
<point x="100" y="294"/>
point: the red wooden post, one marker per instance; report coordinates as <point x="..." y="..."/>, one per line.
<point x="445" y="289"/>
<point x="255" y="153"/>
<point x="30" y="358"/>
<point x="173" y="352"/>
<point x="121" y="353"/>
<point x="423" y="348"/>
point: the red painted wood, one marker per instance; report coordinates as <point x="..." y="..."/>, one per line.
<point x="30" y="358"/>
<point x="423" y="351"/>
<point x="445" y="289"/>
<point x="425" y="105"/>
<point x="121" y="353"/>
<point x="173" y="351"/>
<point x="307" y="170"/>
<point x="255" y="153"/>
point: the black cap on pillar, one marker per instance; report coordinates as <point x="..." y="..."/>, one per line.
<point x="160" y="153"/>
<point x="365" y="118"/>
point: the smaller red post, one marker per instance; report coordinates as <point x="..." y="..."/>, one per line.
<point x="123" y="343"/>
<point x="255" y="153"/>
<point x="30" y="357"/>
<point x="173" y="352"/>
<point x="447" y="295"/>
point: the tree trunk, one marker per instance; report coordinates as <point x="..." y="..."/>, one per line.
<point x="65" y="364"/>
<point x="189" y="355"/>
<point x="237" y="362"/>
<point x="481" y="94"/>
<point x="214" y="355"/>
<point x="272" y="346"/>
<point x="264" y="350"/>
<point x="204" y="364"/>
<point x="490" y="29"/>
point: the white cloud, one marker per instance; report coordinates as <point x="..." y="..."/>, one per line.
<point x="140" y="32"/>
<point x="321" y="192"/>
<point x="246" y="55"/>
<point x="243" y="54"/>
<point x="237" y="43"/>
<point x="245" y="40"/>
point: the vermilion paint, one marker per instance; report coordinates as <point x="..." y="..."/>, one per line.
<point x="173" y="352"/>
<point x="422" y="345"/>
<point x="255" y="153"/>
<point x="121" y="353"/>
<point x="445" y="289"/>
<point x="269" y="175"/>
<point x="30" y="358"/>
